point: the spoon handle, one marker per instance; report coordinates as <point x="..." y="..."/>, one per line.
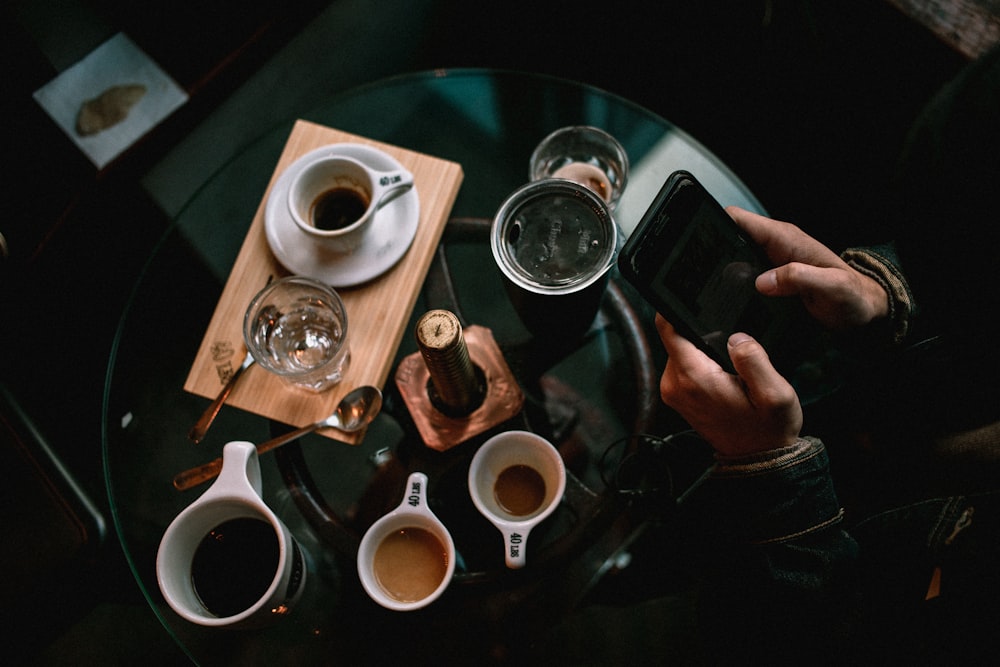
<point x="200" y="427"/>
<point x="288" y="437"/>
<point x="195" y="476"/>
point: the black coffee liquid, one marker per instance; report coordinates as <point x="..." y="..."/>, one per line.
<point x="338" y="208"/>
<point x="234" y="565"/>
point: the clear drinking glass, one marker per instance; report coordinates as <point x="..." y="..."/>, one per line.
<point x="585" y="155"/>
<point x="296" y="327"/>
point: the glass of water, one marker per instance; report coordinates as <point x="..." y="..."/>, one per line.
<point x="585" y="155"/>
<point x="296" y="327"/>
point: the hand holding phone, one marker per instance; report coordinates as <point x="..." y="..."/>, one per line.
<point x="757" y="411"/>
<point x="695" y="266"/>
<point x="837" y="296"/>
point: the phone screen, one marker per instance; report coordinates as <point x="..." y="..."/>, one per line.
<point x="692" y="263"/>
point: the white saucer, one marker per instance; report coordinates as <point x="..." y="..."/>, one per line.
<point x="386" y="241"/>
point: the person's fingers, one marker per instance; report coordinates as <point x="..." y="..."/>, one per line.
<point x="799" y="279"/>
<point x="765" y="386"/>
<point x="677" y="346"/>
<point x="689" y="374"/>
<point x="770" y="234"/>
<point x="758" y="226"/>
<point x="783" y="242"/>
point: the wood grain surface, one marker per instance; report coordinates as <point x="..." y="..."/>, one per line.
<point x="377" y="311"/>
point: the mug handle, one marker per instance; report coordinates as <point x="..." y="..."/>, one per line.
<point x="515" y="542"/>
<point x="415" y="495"/>
<point x="389" y="185"/>
<point x="240" y="473"/>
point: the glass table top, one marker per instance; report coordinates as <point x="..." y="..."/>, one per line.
<point x="586" y="396"/>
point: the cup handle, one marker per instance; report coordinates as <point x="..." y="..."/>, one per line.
<point x="391" y="184"/>
<point x="415" y="495"/>
<point x="240" y="471"/>
<point x="515" y="541"/>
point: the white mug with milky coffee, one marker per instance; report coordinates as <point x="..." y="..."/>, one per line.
<point x="407" y="558"/>
<point x="516" y="480"/>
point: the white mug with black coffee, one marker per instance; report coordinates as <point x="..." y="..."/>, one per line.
<point x="335" y="199"/>
<point x="407" y="558"/>
<point x="516" y="480"/>
<point x="227" y="560"/>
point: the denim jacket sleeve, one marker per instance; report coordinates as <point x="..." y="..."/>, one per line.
<point x="781" y="494"/>
<point x="915" y="583"/>
<point x="781" y="580"/>
<point x="881" y="263"/>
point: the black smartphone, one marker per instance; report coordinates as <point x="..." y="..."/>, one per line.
<point x="697" y="268"/>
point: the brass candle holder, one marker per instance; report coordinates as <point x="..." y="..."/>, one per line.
<point x="458" y="385"/>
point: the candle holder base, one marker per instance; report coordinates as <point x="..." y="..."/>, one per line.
<point x="502" y="401"/>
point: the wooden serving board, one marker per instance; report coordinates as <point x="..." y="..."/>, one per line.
<point x="377" y="311"/>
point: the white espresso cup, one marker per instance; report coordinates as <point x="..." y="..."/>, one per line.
<point x="227" y="560"/>
<point x="335" y="199"/>
<point x="516" y="480"/>
<point x="407" y="558"/>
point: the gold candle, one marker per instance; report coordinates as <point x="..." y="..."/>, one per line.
<point x="458" y="390"/>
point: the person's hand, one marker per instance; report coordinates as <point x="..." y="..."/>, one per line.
<point x="752" y="411"/>
<point x="838" y="296"/>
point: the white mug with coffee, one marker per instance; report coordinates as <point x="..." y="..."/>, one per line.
<point x="516" y="480"/>
<point x="334" y="199"/>
<point x="407" y="558"/>
<point x="227" y="560"/>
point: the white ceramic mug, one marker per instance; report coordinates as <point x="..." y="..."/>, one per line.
<point x="516" y="480"/>
<point x="334" y="199"/>
<point x="407" y="558"/>
<point x="227" y="560"/>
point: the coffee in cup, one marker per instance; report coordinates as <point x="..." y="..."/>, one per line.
<point x="407" y="558"/>
<point x="234" y="564"/>
<point x="227" y="560"/>
<point x="338" y="207"/>
<point x="516" y="480"/>
<point x="410" y="563"/>
<point x="334" y="199"/>
<point x="519" y="489"/>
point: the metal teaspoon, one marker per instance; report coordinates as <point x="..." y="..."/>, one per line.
<point x="354" y="412"/>
<point x="200" y="428"/>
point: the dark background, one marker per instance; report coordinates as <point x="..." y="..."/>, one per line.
<point x="808" y="102"/>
